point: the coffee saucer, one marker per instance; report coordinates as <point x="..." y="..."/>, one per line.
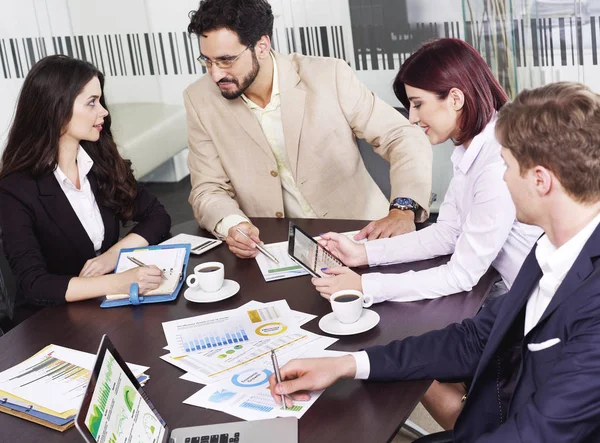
<point x="368" y="320"/>
<point x="197" y="295"/>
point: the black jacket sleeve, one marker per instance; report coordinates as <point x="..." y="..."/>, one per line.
<point x="153" y="221"/>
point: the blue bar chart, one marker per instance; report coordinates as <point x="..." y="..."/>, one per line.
<point x="196" y="341"/>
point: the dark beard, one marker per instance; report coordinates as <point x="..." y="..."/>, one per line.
<point x="246" y="81"/>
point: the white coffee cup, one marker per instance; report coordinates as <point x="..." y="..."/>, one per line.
<point x="348" y="304"/>
<point x="209" y="276"/>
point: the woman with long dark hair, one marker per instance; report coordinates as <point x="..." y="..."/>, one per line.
<point x="64" y="188"/>
<point x="452" y="95"/>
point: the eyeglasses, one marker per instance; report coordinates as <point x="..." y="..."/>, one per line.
<point x="221" y="64"/>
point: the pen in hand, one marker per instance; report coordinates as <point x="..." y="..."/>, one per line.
<point x="259" y="247"/>
<point x="143" y="265"/>
<point x="278" y="376"/>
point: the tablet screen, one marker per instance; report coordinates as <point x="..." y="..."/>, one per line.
<point x="115" y="407"/>
<point x="308" y="253"/>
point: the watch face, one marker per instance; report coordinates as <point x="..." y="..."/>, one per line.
<point x="404" y="201"/>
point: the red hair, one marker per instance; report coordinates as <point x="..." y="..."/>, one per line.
<point x="445" y="63"/>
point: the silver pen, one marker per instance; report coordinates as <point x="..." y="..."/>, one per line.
<point x="259" y="247"/>
<point x="144" y="265"/>
<point x="277" y="375"/>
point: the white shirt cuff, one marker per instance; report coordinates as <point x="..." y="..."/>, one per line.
<point x="229" y="222"/>
<point x="363" y="365"/>
<point x="375" y="250"/>
<point x="371" y="284"/>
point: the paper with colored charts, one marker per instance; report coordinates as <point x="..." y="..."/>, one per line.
<point x="227" y="334"/>
<point x="286" y="268"/>
<point x="216" y="363"/>
<point x="245" y="394"/>
<point x="54" y="379"/>
<point x="206" y="370"/>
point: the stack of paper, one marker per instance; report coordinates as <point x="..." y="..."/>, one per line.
<point x="48" y="387"/>
<point x="230" y="352"/>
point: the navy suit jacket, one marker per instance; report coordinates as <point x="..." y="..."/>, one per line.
<point x="46" y="244"/>
<point x="517" y="395"/>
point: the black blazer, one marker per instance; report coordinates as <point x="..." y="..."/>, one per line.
<point x="46" y="244"/>
<point x="540" y="387"/>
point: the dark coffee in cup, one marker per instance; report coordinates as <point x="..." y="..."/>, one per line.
<point x="346" y="298"/>
<point x="209" y="269"/>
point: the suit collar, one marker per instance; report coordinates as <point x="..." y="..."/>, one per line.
<point x="248" y="122"/>
<point x="293" y="100"/>
<point x="292" y="96"/>
<point x="526" y="281"/>
<point x="108" y="217"/>
<point x="581" y="269"/>
<point x="57" y="206"/>
<point x="512" y="304"/>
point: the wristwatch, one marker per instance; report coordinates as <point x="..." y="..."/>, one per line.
<point x="405" y="204"/>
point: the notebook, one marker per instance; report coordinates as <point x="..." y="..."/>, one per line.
<point x="116" y="408"/>
<point x="171" y="259"/>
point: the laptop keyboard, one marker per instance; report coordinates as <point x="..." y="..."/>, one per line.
<point x="215" y="438"/>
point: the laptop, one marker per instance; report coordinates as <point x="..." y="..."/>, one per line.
<point x="116" y="409"/>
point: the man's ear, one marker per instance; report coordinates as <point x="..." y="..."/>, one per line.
<point x="263" y="47"/>
<point x="457" y="98"/>
<point x="544" y="180"/>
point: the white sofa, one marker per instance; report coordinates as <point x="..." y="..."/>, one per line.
<point x="148" y="134"/>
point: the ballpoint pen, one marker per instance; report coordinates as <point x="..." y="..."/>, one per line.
<point x="277" y="375"/>
<point x="144" y="265"/>
<point x="259" y="247"/>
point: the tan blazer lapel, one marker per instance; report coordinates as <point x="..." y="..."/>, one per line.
<point x="293" y="99"/>
<point x="246" y="119"/>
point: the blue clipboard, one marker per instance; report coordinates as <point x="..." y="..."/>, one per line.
<point x="58" y="421"/>
<point x="134" y="297"/>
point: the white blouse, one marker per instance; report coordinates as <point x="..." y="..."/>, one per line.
<point x="83" y="200"/>
<point x="476" y="224"/>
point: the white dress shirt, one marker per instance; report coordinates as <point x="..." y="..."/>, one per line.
<point x="269" y="118"/>
<point x="476" y="224"/>
<point x="83" y="200"/>
<point x="554" y="263"/>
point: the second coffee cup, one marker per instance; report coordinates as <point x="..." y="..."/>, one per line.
<point x="208" y="276"/>
<point x="348" y="305"/>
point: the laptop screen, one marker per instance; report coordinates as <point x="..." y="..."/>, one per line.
<point x="118" y="410"/>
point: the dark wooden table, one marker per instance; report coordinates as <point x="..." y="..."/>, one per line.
<point x="348" y="411"/>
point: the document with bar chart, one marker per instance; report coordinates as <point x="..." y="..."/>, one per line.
<point x="245" y="393"/>
<point x="226" y="336"/>
<point x="55" y="378"/>
<point x="216" y="364"/>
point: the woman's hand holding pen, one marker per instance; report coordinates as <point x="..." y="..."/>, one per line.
<point x="240" y="245"/>
<point x="147" y="278"/>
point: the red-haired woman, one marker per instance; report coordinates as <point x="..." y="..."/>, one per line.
<point x="452" y="94"/>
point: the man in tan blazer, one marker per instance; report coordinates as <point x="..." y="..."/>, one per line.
<point x="275" y="136"/>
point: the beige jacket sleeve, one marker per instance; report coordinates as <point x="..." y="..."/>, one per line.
<point x="402" y="144"/>
<point x="212" y="196"/>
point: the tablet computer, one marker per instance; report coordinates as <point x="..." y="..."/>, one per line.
<point x="309" y="254"/>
